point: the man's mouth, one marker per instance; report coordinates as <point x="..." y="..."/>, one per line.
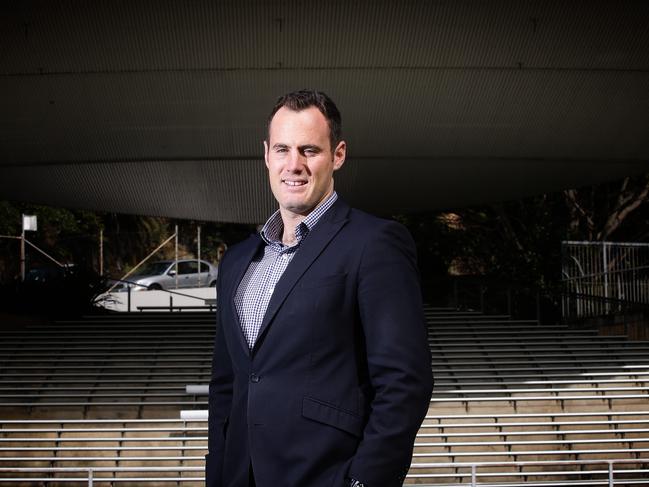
<point x="293" y="183"/>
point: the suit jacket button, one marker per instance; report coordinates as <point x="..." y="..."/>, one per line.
<point x="254" y="378"/>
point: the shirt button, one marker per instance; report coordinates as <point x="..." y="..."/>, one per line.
<point x="254" y="378"/>
<point x="270" y="290"/>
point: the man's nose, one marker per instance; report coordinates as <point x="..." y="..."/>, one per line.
<point x="295" y="161"/>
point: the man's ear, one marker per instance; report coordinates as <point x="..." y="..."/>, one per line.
<point x="266" y="152"/>
<point x="339" y="155"/>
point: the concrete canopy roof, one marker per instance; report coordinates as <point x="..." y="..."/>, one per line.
<point x="159" y="107"/>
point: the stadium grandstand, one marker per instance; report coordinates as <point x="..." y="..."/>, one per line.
<point x="121" y="400"/>
<point x="158" y="108"/>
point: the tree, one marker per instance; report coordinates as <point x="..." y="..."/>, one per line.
<point x="520" y="241"/>
<point x="597" y="212"/>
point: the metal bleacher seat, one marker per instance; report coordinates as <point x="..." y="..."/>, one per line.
<point x="123" y="442"/>
<point x="515" y="402"/>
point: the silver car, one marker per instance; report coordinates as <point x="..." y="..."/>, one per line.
<point x="162" y="275"/>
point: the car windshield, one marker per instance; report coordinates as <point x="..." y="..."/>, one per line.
<point x="152" y="269"/>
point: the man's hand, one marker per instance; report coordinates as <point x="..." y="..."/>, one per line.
<point x="355" y="483"/>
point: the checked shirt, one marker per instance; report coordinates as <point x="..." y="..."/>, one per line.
<point x="266" y="268"/>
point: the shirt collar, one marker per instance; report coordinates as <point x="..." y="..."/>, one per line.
<point x="272" y="230"/>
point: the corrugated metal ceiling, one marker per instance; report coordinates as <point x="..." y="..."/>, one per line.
<point x="159" y="107"/>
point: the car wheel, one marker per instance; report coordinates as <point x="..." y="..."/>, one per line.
<point x="213" y="284"/>
<point x="155" y="287"/>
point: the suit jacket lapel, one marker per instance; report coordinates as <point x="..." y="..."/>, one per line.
<point x="314" y="243"/>
<point x="241" y="268"/>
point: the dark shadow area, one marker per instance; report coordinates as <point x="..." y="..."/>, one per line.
<point x="53" y="292"/>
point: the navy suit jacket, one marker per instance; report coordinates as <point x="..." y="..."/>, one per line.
<point x="339" y="379"/>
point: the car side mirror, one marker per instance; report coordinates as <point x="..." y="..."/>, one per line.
<point x="172" y="272"/>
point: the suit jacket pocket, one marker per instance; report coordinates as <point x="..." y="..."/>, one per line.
<point x="331" y="415"/>
<point x="331" y="280"/>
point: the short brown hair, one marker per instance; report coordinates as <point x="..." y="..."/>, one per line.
<point x="303" y="99"/>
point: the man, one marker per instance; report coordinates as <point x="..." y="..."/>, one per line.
<point x="321" y="372"/>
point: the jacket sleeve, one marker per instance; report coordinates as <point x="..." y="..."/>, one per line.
<point x="220" y="396"/>
<point x="398" y="358"/>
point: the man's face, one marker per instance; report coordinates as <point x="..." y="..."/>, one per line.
<point x="300" y="159"/>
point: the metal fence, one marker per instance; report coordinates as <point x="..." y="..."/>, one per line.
<point x="601" y="277"/>
<point x="611" y="475"/>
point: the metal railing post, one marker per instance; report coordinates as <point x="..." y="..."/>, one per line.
<point x="605" y="271"/>
<point x="22" y="257"/>
<point x="176" y="257"/>
<point x="90" y="477"/>
<point x="198" y="258"/>
<point x="101" y="251"/>
<point x="611" y="482"/>
<point x="474" y="481"/>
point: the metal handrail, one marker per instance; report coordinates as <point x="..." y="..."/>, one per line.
<point x="90" y="471"/>
<point x="598" y="274"/>
<point x="604" y="299"/>
<point x="105" y="294"/>
<point x="482" y="287"/>
<point x="598" y="243"/>
<point x="145" y="259"/>
<point x="146" y="287"/>
<point x="473" y="466"/>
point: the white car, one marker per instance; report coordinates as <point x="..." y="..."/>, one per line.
<point x="162" y="275"/>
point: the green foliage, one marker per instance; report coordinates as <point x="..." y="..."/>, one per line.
<point x="520" y="241"/>
<point x="73" y="237"/>
<point x="10" y="219"/>
<point x="514" y="242"/>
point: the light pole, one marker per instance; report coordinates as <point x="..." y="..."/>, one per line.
<point x="29" y="224"/>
